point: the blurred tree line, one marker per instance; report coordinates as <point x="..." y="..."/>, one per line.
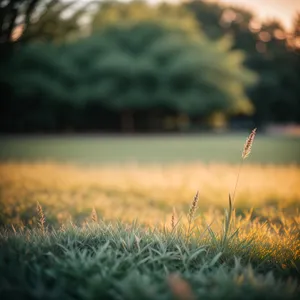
<point x="109" y="66"/>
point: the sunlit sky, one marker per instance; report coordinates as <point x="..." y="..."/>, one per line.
<point x="284" y="10"/>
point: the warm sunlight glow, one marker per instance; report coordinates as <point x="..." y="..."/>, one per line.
<point x="264" y="36"/>
<point x="279" y="34"/>
<point x="255" y="26"/>
<point x="144" y="192"/>
<point x="17" y="32"/>
<point x="284" y="10"/>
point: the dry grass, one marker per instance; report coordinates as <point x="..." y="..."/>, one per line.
<point x="147" y="193"/>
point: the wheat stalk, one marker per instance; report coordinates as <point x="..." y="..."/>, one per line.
<point x="41" y="216"/>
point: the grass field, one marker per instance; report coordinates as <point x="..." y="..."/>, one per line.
<point x="117" y="218"/>
<point x="206" y="148"/>
<point x="147" y="193"/>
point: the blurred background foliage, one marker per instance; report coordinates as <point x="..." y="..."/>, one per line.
<point x="137" y="67"/>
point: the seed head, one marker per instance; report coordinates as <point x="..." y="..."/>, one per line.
<point x="94" y="215"/>
<point x="173" y="220"/>
<point x="41" y="217"/>
<point x="193" y="207"/>
<point x="248" y="144"/>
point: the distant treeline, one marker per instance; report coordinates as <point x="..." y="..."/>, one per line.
<point x="136" y="67"/>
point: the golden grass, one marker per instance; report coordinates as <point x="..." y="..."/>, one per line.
<point x="149" y="193"/>
<point x="144" y="192"/>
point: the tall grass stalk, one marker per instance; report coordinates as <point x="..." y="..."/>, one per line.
<point x="173" y="220"/>
<point x="230" y="213"/>
<point x="94" y="215"/>
<point x="191" y="215"/>
<point x="246" y="152"/>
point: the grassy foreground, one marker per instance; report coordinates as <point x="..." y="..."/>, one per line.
<point x="197" y="252"/>
<point x="118" y="261"/>
<point x="59" y="238"/>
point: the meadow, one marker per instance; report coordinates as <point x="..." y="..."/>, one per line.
<point x="162" y="149"/>
<point x="121" y="218"/>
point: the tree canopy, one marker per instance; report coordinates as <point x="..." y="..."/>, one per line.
<point x="135" y="67"/>
<point x="139" y="61"/>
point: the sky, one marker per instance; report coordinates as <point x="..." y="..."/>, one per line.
<point x="284" y="10"/>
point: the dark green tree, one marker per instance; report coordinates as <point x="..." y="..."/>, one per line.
<point x="129" y="66"/>
<point x="42" y="82"/>
<point x="268" y="52"/>
<point x="14" y="19"/>
<point x="188" y="72"/>
<point x="147" y="66"/>
<point x="140" y="59"/>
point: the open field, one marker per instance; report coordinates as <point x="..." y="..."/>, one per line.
<point x="208" y="148"/>
<point x="81" y="241"/>
<point x="144" y="192"/>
